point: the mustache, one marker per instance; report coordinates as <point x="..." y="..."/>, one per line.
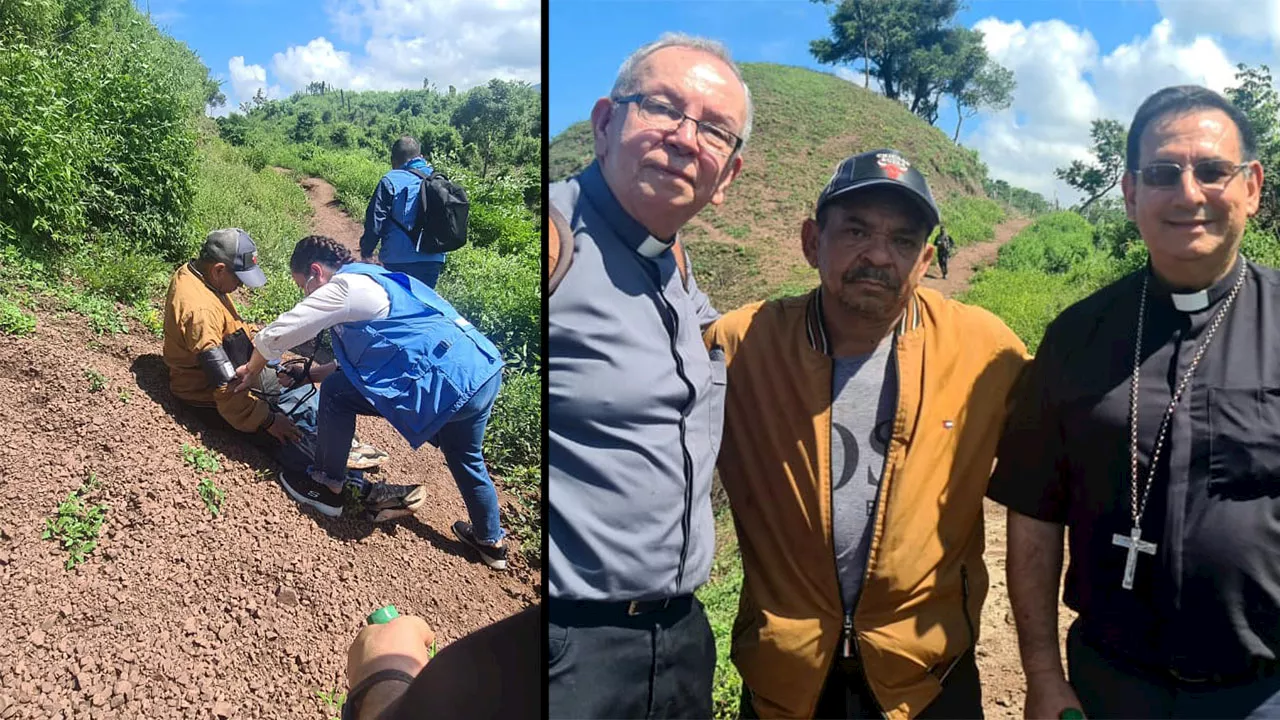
<point x="875" y="274"/>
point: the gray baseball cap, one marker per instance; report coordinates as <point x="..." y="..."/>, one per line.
<point x="234" y="247"/>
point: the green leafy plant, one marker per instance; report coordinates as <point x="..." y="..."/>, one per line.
<point x="332" y="699"/>
<point x="14" y="321"/>
<point x="200" y="458"/>
<point x="76" y="523"/>
<point x="212" y="496"/>
<point x="97" y="381"/>
<point x="124" y="396"/>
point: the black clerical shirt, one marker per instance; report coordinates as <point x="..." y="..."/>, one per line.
<point x="1208" y="600"/>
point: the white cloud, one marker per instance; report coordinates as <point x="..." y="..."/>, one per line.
<point x="463" y="43"/>
<point x="1255" y="19"/>
<point x="244" y="82"/>
<point x="859" y="78"/>
<point x="1065" y="82"/>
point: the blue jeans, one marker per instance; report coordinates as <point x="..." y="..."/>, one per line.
<point x="428" y="272"/>
<point x="460" y="441"/>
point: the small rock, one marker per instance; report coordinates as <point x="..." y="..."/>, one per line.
<point x="191" y="625"/>
<point x="37" y="638"/>
<point x="225" y="633"/>
<point x="1003" y="702"/>
<point x="287" y="596"/>
<point x="123" y="687"/>
<point x="222" y="710"/>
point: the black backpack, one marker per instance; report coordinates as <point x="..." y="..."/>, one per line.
<point x="441" y="224"/>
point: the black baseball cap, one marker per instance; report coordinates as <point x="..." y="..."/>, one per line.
<point x="235" y="248"/>
<point x="880" y="168"/>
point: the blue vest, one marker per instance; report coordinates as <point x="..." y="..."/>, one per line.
<point x="420" y="364"/>
<point x="397" y="246"/>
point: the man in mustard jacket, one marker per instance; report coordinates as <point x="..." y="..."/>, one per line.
<point x="861" y="423"/>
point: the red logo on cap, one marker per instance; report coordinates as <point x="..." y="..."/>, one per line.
<point x="255" y="257"/>
<point x="893" y="165"/>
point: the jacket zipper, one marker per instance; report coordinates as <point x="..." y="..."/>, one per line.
<point x="672" y="323"/>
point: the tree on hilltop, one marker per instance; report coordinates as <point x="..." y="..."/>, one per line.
<point x="917" y="56"/>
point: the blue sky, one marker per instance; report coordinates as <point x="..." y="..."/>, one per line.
<point x="281" y="45"/>
<point x="1074" y="60"/>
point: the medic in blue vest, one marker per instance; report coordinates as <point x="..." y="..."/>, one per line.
<point x="402" y="352"/>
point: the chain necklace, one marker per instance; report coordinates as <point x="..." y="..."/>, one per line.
<point x="1133" y="541"/>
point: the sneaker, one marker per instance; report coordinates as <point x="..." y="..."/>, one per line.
<point x="309" y="492"/>
<point x="385" y="501"/>
<point x="494" y="557"/>
<point x="365" y="457"/>
<point x="324" y="481"/>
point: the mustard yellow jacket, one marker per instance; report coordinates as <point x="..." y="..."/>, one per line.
<point x="925" y="581"/>
<point x="197" y="318"/>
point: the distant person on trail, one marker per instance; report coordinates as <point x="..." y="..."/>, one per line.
<point x="634" y="397"/>
<point x="944" y="245"/>
<point x="860" y="428"/>
<point x="493" y="672"/>
<point x="1149" y="429"/>
<point x="203" y="335"/>
<point x="403" y="353"/>
<point x="391" y="214"/>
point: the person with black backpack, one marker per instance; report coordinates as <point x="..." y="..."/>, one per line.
<point x="417" y="214"/>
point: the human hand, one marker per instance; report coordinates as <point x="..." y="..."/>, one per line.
<point x="320" y="372"/>
<point x="243" y="381"/>
<point x="399" y="645"/>
<point x="283" y="429"/>
<point x="1048" y="694"/>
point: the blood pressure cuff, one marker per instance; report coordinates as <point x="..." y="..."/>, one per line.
<point x="220" y="362"/>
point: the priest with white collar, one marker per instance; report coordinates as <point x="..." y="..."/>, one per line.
<point x="1148" y="427"/>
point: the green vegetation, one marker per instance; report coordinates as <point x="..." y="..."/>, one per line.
<point x="77" y="523"/>
<point x="201" y="458"/>
<point x="212" y="496"/>
<point x="97" y="381"/>
<point x="720" y="599"/>
<point x="333" y="700"/>
<point x="971" y="219"/>
<point x="14" y="320"/>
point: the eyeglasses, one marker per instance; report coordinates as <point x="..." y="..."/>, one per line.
<point x="658" y="114"/>
<point x="1212" y="174"/>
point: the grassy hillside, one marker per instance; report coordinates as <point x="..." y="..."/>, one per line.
<point x="805" y="123"/>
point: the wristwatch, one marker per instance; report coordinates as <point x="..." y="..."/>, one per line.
<point x="351" y="708"/>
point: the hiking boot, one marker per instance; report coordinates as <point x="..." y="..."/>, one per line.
<point x="364" y="457"/>
<point x="385" y="501"/>
<point x="303" y="489"/>
<point x="494" y="557"/>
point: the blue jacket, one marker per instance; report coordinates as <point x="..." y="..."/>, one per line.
<point x="396" y="199"/>
<point x="420" y="364"/>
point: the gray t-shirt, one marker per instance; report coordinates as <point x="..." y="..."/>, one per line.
<point x="864" y="395"/>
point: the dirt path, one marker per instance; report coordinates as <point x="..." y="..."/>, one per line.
<point x="177" y="614"/>
<point x="971" y="257"/>
<point x="1003" y="683"/>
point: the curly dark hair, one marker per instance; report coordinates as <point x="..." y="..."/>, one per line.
<point x="321" y="249"/>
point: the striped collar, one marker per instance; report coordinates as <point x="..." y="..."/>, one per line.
<point x="816" y="328"/>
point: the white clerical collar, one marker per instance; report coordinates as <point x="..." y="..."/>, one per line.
<point x="1190" y="302"/>
<point x="652" y="247"/>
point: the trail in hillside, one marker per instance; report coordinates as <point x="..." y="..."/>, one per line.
<point x="971" y="257"/>
<point x="178" y="614"/>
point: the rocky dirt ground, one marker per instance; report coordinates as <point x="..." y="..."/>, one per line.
<point x="178" y="614"/>
<point x="1003" y="684"/>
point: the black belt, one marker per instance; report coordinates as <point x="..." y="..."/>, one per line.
<point x="607" y="610"/>
<point x="1257" y="670"/>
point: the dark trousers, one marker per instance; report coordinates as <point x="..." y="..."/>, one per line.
<point x="846" y="694"/>
<point x="427" y="272"/>
<point x="942" y="263"/>
<point x="1110" y="687"/>
<point x="606" y="664"/>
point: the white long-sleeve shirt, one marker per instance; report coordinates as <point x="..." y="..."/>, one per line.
<point x="347" y="298"/>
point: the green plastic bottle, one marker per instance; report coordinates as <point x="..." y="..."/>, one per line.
<point x="386" y="614"/>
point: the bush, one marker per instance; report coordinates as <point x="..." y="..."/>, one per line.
<point x="14" y="321"/>
<point x="1260" y="247"/>
<point x="1052" y="244"/>
<point x="971" y="219"/>
<point x="501" y="295"/>
<point x="514" y="435"/>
